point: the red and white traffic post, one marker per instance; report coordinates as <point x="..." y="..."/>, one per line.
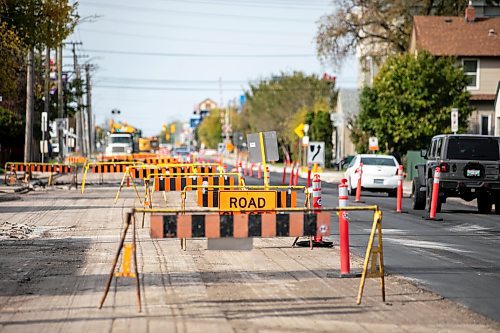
<point x="316" y="194"/>
<point x="283" y="178"/>
<point x="345" y="264"/>
<point x="308" y="175"/>
<point x="292" y="174"/>
<point x="358" y="187"/>
<point x="399" y="196"/>
<point x="296" y="180"/>
<point x="435" y="193"/>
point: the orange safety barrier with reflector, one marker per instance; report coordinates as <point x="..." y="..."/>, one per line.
<point x="109" y="168"/>
<point x="15" y="167"/>
<point x="178" y="183"/>
<point x="39" y="167"/>
<point x="210" y="197"/>
<point x="160" y="160"/>
<point x="115" y="158"/>
<point x="213" y="225"/>
<point x="138" y="172"/>
<point x="207" y="168"/>
<point x="286" y="199"/>
<point x="76" y="160"/>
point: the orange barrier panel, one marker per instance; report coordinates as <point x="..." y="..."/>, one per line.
<point x="213" y="225"/>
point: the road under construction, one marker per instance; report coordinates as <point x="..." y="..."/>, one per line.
<point x="120" y="258"/>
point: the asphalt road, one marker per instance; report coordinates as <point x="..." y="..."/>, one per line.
<point x="457" y="258"/>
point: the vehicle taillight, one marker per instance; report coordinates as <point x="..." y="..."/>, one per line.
<point x="444" y="167"/>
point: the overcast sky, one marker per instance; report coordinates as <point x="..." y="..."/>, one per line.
<point x="156" y="59"/>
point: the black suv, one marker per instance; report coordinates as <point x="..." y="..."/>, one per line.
<point x="470" y="169"/>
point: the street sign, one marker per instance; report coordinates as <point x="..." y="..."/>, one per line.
<point x="270" y="147"/>
<point x="44" y="146"/>
<point x="299" y="130"/>
<point x="454" y="120"/>
<point x="316" y="153"/>
<point x="44" y="121"/>
<point x="236" y="201"/>
<point x="373" y="143"/>
<point x="305" y="140"/>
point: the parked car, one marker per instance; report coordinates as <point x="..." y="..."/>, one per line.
<point x="343" y="163"/>
<point x="379" y="174"/>
<point x="469" y="167"/>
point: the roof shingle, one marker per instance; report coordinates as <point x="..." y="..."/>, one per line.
<point x="453" y="36"/>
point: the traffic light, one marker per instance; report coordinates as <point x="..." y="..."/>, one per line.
<point x="167" y="136"/>
<point x="172" y="128"/>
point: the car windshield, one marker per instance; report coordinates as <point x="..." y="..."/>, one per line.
<point x="473" y="149"/>
<point x="120" y="139"/>
<point x="378" y="161"/>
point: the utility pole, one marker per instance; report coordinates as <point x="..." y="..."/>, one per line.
<point x="89" y="109"/>
<point x="46" y="92"/>
<point x="81" y="137"/>
<point x="60" y="103"/>
<point x="30" y="104"/>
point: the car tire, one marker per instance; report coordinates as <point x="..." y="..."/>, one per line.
<point x="392" y="193"/>
<point x="429" y="197"/>
<point x="497" y="203"/>
<point x="484" y="203"/>
<point x="350" y="192"/>
<point x="418" y="197"/>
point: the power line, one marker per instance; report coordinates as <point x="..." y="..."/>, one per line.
<point x="160" y="88"/>
<point x="124" y="79"/>
<point x="198" y="55"/>
<point x="185" y="27"/>
<point x="115" y="33"/>
<point x="205" y="14"/>
<point x="266" y="4"/>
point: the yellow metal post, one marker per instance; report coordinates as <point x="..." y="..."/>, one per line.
<point x="263" y="157"/>
<point x="85" y="177"/>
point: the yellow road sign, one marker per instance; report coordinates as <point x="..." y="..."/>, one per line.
<point x="299" y="130"/>
<point x="247" y="200"/>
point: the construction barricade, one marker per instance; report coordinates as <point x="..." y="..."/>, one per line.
<point x="76" y="160"/>
<point x="211" y="223"/>
<point x="146" y="171"/>
<point x="105" y="168"/>
<point x="12" y="168"/>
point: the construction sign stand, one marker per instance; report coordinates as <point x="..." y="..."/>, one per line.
<point x="374" y="255"/>
<point x="128" y="177"/>
<point x="129" y="253"/>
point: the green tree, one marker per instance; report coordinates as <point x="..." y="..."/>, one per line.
<point x="273" y="105"/>
<point x="40" y="22"/>
<point x="410" y="101"/>
<point x="383" y="24"/>
<point x="210" y="131"/>
<point x="11" y="127"/>
<point x="11" y="51"/>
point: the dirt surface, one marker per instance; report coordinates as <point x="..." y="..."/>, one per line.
<point x="57" y="245"/>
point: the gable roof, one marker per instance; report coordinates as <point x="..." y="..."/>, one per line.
<point x="453" y="36"/>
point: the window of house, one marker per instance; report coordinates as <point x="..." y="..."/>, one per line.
<point x="471" y="71"/>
